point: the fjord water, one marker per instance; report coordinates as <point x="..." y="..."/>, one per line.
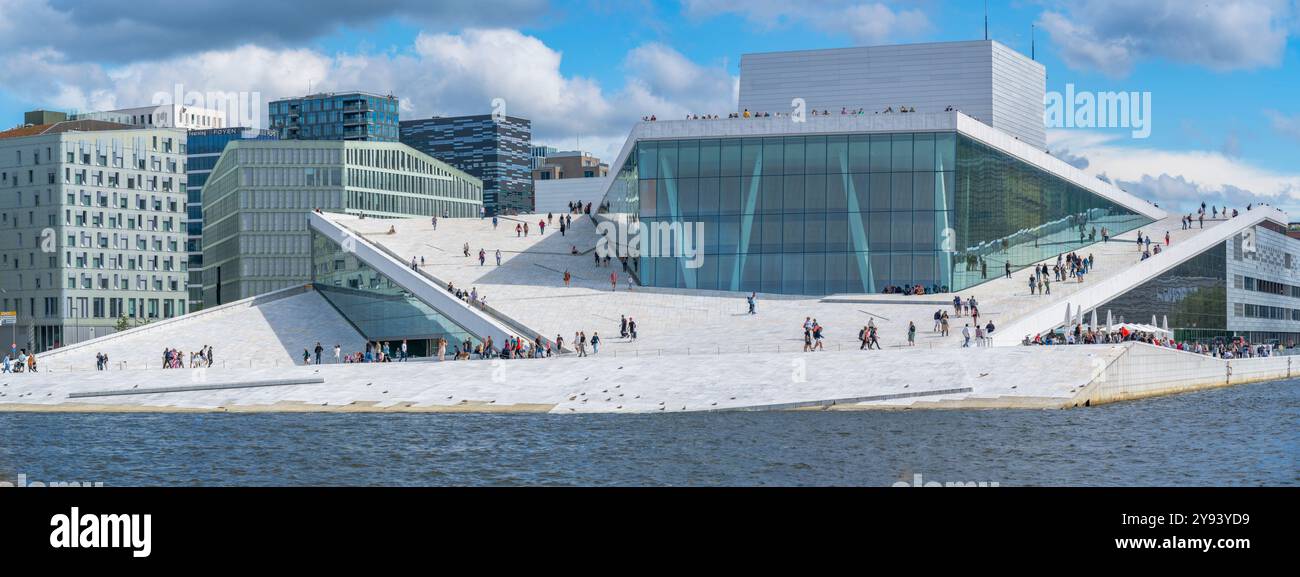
<point x="1245" y="435"/>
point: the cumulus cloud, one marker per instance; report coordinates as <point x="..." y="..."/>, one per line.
<point x="1112" y="36"/>
<point x="440" y="74"/>
<point x="1179" y="180"/>
<point x="117" y="33"/>
<point x="865" y="23"/>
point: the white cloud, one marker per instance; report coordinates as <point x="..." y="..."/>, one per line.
<point x="1178" y="179"/>
<point x="440" y="74"/>
<point x="1112" y="36"/>
<point x="866" y="23"/>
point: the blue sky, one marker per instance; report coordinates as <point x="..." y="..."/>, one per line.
<point x="1224" y="76"/>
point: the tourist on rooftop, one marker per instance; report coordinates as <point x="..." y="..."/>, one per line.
<point x="753" y="297"/>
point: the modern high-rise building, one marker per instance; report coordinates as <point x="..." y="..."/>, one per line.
<point x="161" y="116"/>
<point x="570" y="164"/>
<point x="496" y="150"/>
<point x="259" y="194"/>
<point x="353" y="116"/>
<point x="982" y="79"/>
<point x="91" y="229"/>
<point x="205" y="147"/>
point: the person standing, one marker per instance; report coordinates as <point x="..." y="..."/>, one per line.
<point x="338" y="353"/>
<point x="318" y="350"/>
<point x="403" y="350"/>
<point x="595" y="342"/>
<point x="911" y="334"/>
<point x="613" y="281"/>
<point x="498" y="257"/>
<point x="752" y="297"/>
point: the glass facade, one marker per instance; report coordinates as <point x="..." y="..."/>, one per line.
<point x="852" y="213"/>
<point x="1194" y="295"/>
<point x="351" y="116"/>
<point x="204" y="148"/>
<point x="379" y="308"/>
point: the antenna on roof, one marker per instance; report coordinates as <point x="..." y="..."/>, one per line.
<point x="1033" y="42"/>
<point x="986" y="19"/>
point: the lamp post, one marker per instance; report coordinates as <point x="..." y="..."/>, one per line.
<point x="13" y="331"/>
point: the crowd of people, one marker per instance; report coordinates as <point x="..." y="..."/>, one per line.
<point x="18" y="363"/>
<point x="844" y="111"/>
<point x="172" y="359"/>
<point x="1234" y="348"/>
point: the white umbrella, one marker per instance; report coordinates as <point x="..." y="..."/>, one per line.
<point x="1110" y="319"/>
<point x="1166" y="323"/>
<point x="1093" y="324"/>
<point x="1154" y="322"/>
<point x="1067" y="314"/>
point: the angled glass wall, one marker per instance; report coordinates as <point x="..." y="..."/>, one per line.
<point x="851" y="213"/>
<point x="378" y="307"/>
<point x="1194" y="295"/>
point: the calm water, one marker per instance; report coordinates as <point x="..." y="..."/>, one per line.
<point x="1240" y="436"/>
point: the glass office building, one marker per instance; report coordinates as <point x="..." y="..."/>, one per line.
<point x="493" y="149"/>
<point x="380" y="309"/>
<point x="204" y="148"/>
<point x="852" y="212"/>
<point x="356" y="116"/>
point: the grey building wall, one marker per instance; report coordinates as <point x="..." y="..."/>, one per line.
<point x="91" y="230"/>
<point x="984" y="79"/>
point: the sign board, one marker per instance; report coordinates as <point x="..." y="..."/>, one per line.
<point x="8" y="318"/>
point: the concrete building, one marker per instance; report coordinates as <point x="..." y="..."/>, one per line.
<point x="494" y="150"/>
<point x="984" y="79"/>
<point x="205" y="147"/>
<point x="1293" y="230"/>
<point x="161" y="116"/>
<point x="256" y="202"/>
<point x="570" y="164"/>
<point x="91" y="229"/>
<point x="352" y="116"/>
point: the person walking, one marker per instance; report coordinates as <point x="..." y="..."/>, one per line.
<point x="613" y="281"/>
<point x="965" y="336"/>
<point x="595" y="342"/>
<point x="567" y="276"/>
<point x="751" y="299"/>
<point x="911" y="334"/>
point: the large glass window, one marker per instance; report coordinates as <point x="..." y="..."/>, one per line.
<point x="855" y="212"/>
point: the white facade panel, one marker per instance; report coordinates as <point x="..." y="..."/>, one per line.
<point x="983" y="79"/>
